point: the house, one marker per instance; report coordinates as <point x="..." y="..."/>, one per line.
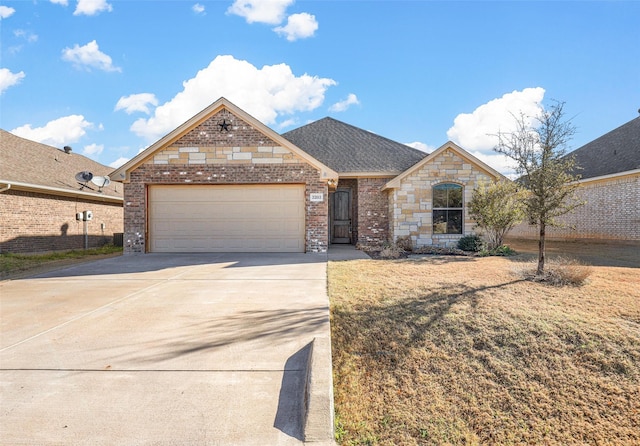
<point x="223" y="181"/>
<point x="609" y="167"/>
<point x="40" y="199"/>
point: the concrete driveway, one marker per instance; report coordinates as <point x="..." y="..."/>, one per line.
<point x="165" y="350"/>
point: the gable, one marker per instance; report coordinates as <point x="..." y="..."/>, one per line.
<point x="222" y="134"/>
<point x="224" y="138"/>
<point x="448" y="163"/>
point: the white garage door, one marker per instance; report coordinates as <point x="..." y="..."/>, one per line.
<point x="226" y="218"/>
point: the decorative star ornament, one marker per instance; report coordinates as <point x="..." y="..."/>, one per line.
<point x="224" y="125"/>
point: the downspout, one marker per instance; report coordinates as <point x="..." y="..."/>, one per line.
<point x="5" y="188"/>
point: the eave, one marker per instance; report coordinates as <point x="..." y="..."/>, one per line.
<point x="58" y="191"/>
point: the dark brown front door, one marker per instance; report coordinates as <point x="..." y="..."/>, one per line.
<point x="341" y="216"/>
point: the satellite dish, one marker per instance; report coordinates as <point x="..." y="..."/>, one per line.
<point x="84" y="176"/>
<point x="101" y="181"/>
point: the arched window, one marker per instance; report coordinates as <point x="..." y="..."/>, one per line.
<point x="447" y="209"/>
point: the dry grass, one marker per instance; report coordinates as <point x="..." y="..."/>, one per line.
<point x="560" y="271"/>
<point x="460" y="350"/>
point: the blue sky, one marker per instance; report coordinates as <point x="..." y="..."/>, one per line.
<point x="110" y="77"/>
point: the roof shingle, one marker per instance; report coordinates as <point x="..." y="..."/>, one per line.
<point x="615" y="152"/>
<point x="32" y="163"/>
<point x="345" y="148"/>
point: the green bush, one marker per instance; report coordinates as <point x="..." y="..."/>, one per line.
<point x="471" y="243"/>
<point x="502" y="250"/>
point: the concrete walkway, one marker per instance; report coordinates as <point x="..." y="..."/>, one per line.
<point x="168" y="350"/>
<point x="338" y="253"/>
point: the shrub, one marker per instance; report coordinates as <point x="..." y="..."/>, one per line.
<point x="496" y="207"/>
<point x="471" y="243"/>
<point x="391" y="252"/>
<point x="560" y="271"/>
<point x="404" y="243"/>
<point x="502" y="250"/>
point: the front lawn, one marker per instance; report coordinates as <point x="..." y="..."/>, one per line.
<point x="464" y="351"/>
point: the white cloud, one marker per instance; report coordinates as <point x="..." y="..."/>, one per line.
<point x="499" y="162"/>
<point x="341" y="106"/>
<point x="271" y="12"/>
<point x="89" y="56"/>
<point x="299" y="26"/>
<point x="93" y="149"/>
<point x="265" y="93"/>
<point x="287" y="123"/>
<point x="92" y="7"/>
<point x="6" y="12"/>
<point x="59" y="132"/>
<point x="26" y="35"/>
<point x="137" y="103"/>
<point x="60" y="2"/>
<point x="420" y="146"/>
<point x="476" y="131"/>
<point x="119" y="162"/>
<point x="198" y="8"/>
<point x="9" y="79"/>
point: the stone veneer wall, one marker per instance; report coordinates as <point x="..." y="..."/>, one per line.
<point x="36" y="222"/>
<point x="611" y="212"/>
<point x="209" y="155"/>
<point x="411" y="203"/>
<point x="373" y="211"/>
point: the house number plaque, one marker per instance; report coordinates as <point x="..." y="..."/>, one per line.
<point x="316" y="197"/>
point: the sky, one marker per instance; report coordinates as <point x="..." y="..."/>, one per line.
<point x="111" y="77"/>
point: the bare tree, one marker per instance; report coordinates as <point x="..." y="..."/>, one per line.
<point x="539" y="153"/>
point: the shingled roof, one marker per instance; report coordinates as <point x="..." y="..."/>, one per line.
<point x="615" y="152"/>
<point x="26" y="164"/>
<point x="345" y="148"/>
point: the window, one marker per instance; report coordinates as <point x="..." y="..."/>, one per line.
<point x="447" y="209"/>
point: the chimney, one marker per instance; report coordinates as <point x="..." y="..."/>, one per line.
<point x="67" y="149"/>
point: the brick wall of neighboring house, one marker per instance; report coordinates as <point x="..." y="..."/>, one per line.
<point x="373" y="211"/>
<point x="611" y="212"/>
<point x="411" y="203"/>
<point x="207" y="155"/>
<point x="35" y="222"/>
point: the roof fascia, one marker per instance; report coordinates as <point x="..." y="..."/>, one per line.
<point x="610" y="176"/>
<point x="60" y="191"/>
<point x="122" y="173"/>
<point x="346" y="175"/>
<point x="395" y="183"/>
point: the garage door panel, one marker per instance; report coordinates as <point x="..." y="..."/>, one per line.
<point x="223" y="218"/>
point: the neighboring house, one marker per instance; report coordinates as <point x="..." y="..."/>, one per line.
<point x="40" y="197"/>
<point x="223" y="181"/>
<point x="609" y="167"/>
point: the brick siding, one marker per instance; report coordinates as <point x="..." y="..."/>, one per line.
<point x="373" y="211"/>
<point x="611" y="212"/>
<point x="207" y="155"/>
<point x="35" y="222"/>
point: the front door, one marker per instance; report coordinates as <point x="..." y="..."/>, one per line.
<point x="341" y="216"/>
